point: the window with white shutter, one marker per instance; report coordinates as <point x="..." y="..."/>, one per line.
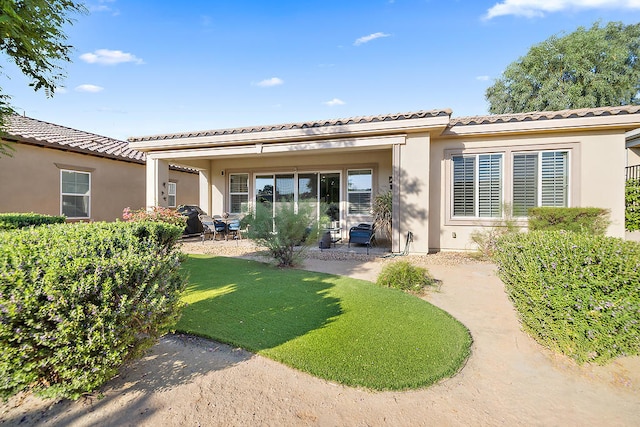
<point x="540" y="179"/>
<point x="477" y="185"/>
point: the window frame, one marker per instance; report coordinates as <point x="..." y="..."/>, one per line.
<point x="359" y="191"/>
<point x="239" y="193"/>
<point x="63" y="194"/>
<point x="539" y="186"/>
<point x="171" y="194"/>
<point x="571" y="145"/>
<point x="478" y="179"/>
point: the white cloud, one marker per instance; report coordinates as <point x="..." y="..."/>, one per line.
<point x="61" y="90"/>
<point x="89" y="88"/>
<point x="482" y="78"/>
<point x="367" y="39"/>
<point x="273" y="81"/>
<point x="110" y="57"/>
<point x="334" y="102"/>
<point x="538" y="8"/>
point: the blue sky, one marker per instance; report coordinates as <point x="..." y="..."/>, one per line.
<point x="149" y="67"/>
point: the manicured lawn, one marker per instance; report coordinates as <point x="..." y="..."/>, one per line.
<point x="341" y="329"/>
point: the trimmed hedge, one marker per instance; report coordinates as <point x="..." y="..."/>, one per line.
<point x="632" y="202"/>
<point x="78" y="300"/>
<point x="12" y="221"/>
<point x="575" y="293"/>
<point x="580" y="220"/>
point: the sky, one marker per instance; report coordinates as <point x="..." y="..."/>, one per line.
<point x="154" y="67"/>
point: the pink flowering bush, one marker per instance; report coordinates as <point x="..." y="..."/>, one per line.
<point x="156" y="214"/>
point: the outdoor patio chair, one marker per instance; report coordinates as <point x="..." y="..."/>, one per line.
<point x="211" y="226"/>
<point x="233" y="227"/>
<point x="363" y="234"/>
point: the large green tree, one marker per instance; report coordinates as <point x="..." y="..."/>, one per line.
<point x="588" y="68"/>
<point x="33" y="38"/>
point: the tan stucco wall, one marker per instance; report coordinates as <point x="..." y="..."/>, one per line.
<point x="596" y="179"/>
<point x="378" y="160"/>
<point x="30" y="182"/>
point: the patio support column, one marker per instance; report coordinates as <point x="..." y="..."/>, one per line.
<point x="205" y="191"/>
<point x="157" y="179"/>
<point x="414" y="188"/>
<point x="395" y="192"/>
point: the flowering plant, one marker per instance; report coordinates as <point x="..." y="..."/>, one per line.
<point x="155" y="214"/>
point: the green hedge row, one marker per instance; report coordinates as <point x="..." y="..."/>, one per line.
<point x="580" y="220"/>
<point x="78" y="300"/>
<point x="632" y="200"/>
<point x="12" y="221"/>
<point x="575" y="293"/>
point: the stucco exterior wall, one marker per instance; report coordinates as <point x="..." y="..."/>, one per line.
<point x="596" y="178"/>
<point x="30" y="182"/>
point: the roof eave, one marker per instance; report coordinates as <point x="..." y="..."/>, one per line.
<point x="622" y="122"/>
<point x="433" y="123"/>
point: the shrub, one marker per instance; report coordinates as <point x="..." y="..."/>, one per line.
<point x="575" y="293"/>
<point x="580" y="220"/>
<point x="383" y="212"/>
<point x="155" y="214"/>
<point x="632" y="199"/>
<point x="78" y="300"/>
<point x="282" y="233"/>
<point x="12" y="221"/>
<point x="405" y="276"/>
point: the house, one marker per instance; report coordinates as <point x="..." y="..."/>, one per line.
<point x="56" y="170"/>
<point x="633" y="154"/>
<point x="448" y="176"/>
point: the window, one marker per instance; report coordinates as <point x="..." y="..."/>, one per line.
<point x="238" y="192"/>
<point x="477" y="185"/>
<point x="75" y="194"/>
<point x="359" y="187"/>
<point x="171" y="192"/>
<point x="540" y="179"/>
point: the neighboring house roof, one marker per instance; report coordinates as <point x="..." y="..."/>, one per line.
<point x="544" y="120"/>
<point x="37" y="132"/>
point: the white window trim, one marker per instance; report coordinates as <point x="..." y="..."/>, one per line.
<point x="539" y="174"/>
<point x="476" y="189"/>
<point x="349" y="192"/>
<point x="171" y="185"/>
<point x="75" y="194"/>
<point x="236" y="193"/>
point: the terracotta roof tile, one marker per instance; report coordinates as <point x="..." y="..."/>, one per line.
<point x="545" y="115"/>
<point x="303" y="125"/>
<point x="34" y="131"/>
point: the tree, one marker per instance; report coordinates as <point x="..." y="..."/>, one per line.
<point x="32" y="37"/>
<point x="588" y="68"/>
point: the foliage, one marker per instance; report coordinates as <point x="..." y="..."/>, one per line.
<point x="337" y="328"/>
<point x="284" y="232"/>
<point x="156" y="214"/>
<point x="382" y="212"/>
<point x="11" y="221"/>
<point x="588" y="68"/>
<point x="405" y="276"/>
<point x="78" y="300"/>
<point x="580" y="220"/>
<point x="632" y="199"/>
<point x="575" y="293"/>
<point x="486" y="238"/>
<point x="32" y="37"/>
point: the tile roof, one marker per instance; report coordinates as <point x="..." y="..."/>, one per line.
<point x="545" y="115"/>
<point x="301" y="125"/>
<point x="37" y="132"/>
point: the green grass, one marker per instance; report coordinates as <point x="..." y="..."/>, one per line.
<point x="341" y="329"/>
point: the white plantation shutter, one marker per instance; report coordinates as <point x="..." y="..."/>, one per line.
<point x="525" y="183"/>
<point x="463" y="186"/>
<point x="490" y="185"/>
<point x="554" y="178"/>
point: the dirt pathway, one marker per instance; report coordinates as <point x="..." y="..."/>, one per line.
<point x="509" y="379"/>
